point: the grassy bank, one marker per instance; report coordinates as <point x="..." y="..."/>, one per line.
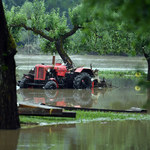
<point x="138" y="74"/>
<point x="82" y="116"/>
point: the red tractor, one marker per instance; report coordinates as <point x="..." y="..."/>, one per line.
<point x="57" y="76"/>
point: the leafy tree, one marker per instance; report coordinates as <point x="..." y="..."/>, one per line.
<point x="11" y="3"/>
<point x="8" y="101"/>
<point x="51" y="26"/>
<point x="101" y="39"/>
<point x="50" y="4"/>
<point x="61" y="4"/>
<point x="135" y="14"/>
<point x="105" y="34"/>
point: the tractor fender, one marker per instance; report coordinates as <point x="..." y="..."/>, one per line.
<point x="87" y="70"/>
<point x="53" y="79"/>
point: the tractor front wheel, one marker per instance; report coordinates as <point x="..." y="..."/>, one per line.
<point x="50" y="85"/>
<point x="82" y="81"/>
<point x="23" y="83"/>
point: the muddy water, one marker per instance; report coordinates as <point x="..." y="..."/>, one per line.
<point x="125" y="135"/>
<point x="26" y="62"/>
<point x="115" y="98"/>
<point x="123" y="95"/>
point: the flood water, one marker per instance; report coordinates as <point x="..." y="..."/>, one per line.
<point x="96" y="135"/>
<point x="124" y="135"/>
<point x="123" y="94"/>
<point x="116" y="63"/>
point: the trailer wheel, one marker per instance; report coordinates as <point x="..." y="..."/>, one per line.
<point x="23" y="83"/>
<point x="82" y="81"/>
<point x="50" y="85"/>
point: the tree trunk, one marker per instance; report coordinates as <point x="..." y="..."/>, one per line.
<point x="9" y="118"/>
<point x="147" y="56"/>
<point x="66" y="59"/>
<point x="148" y="73"/>
<point x="147" y="104"/>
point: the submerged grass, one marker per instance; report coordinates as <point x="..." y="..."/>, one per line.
<point x="111" y="116"/>
<point x="83" y="116"/>
<point x="123" y="74"/>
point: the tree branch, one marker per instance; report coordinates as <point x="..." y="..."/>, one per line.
<point x="71" y="32"/>
<point x="36" y="31"/>
<point x="39" y="32"/>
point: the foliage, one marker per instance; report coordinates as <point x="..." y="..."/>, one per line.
<point x="110" y="28"/>
<point x="50" y="4"/>
<point x="48" y="25"/>
<point x="105" y="33"/>
<point x="135" y="16"/>
<point x="34" y="16"/>
<point x="11" y="3"/>
<point x="138" y="13"/>
<point x="103" y="39"/>
<point x="96" y="35"/>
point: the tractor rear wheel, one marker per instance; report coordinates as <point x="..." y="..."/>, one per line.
<point x="50" y="85"/>
<point x="23" y="83"/>
<point x="82" y="81"/>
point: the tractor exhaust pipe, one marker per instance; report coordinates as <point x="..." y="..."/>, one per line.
<point x="53" y="60"/>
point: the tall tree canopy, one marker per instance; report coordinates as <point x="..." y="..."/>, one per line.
<point x="101" y="38"/>
<point x="9" y="118"/>
<point x="51" y="26"/>
<point x="135" y="15"/>
<point x="63" y="5"/>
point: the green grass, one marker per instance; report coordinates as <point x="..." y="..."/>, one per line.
<point x="111" y="116"/>
<point x="122" y="74"/>
<point x="82" y="116"/>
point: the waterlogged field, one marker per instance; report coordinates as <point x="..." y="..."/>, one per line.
<point x="103" y="63"/>
<point x="89" y="131"/>
<point x="124" y="93"/>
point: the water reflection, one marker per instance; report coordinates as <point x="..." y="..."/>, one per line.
<point x="115" y="98"/>
<point x="61" y="97"/>
<point x="124" y="135"/>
